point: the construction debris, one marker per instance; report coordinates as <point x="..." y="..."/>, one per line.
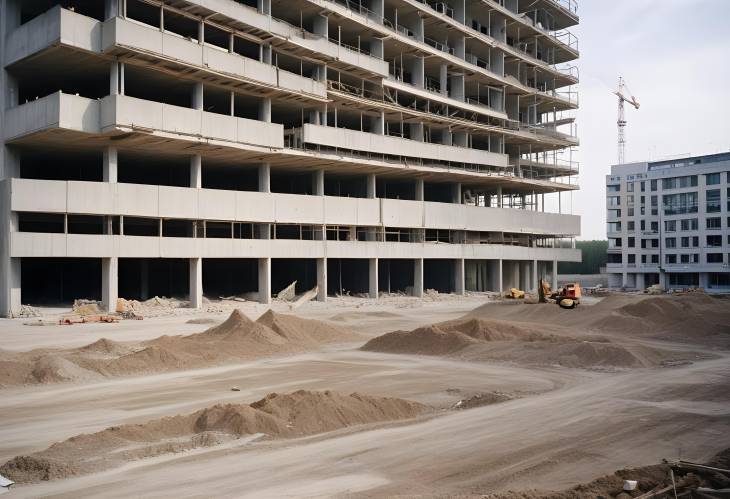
<point x="26" y="311"/>
<point x="86" y="307"/>
<point x="306" y="297"/>
<point x="515" y="294"/>
<point x="288" y="293"/>
<point x="108" y="319"/>
<point x="5" y="484"/>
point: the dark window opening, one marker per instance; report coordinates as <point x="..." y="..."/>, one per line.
<point x="86" y="224"/>
<point x="230" y="177"/>
<point x="89" y="8"/>
<point x="295" y="231"/>
<point x="182" y="25"/>
<point x="291" y="183"/>
<point x="223" y="277"/>
<point x="355" y="187"/>
<point x="439" y="275"/>
<point x="392" y="189"/>
<point x="217" y="37"/>
<point x="138" y="169"/>
<point x="348" y="276"/>
<point x="143" y="12"/>
<point x="41" y="222"/>
<point x="285" y="271"/>
<point x="59" y="281"/>
<point x="178" y="228"/>
<point x="439" y="193"/>
<point x="246" y="48"/>
<point x="60" y="165"/>
<point x="156" y="86"/>
<point x="141" y="226"/>
<point x="219" y="230"/>
<point x="396" y="276"/>
<point x="144" y="278"/>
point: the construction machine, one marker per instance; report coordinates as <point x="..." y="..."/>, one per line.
<point x="566" y="297"/>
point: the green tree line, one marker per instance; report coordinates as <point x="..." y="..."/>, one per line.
<point x="595" y="255"/>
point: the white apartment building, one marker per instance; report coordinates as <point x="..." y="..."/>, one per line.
<point x="218" y="147"/>
<point x="669" y="223"/>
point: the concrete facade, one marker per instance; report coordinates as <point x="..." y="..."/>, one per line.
<point x="669" y="223"/>
<point x="226" y="147"/>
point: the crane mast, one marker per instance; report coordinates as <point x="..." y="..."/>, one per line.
<point x="622" y="91"/>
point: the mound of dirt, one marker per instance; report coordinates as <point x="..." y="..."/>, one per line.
<point x="291" y="415"/>
<point x="237" y="338"/>
<point x="692" y="317"/>
<point x="480" y="339"/>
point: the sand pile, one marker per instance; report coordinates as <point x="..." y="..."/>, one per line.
<point x="694" y="317"/>
<point x="480" y="339"/>
<point x="238" y="338"/>
<point x="291" y="415"/>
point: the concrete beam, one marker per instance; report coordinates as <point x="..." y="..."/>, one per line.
<point x="196" y="282"/>
<point x="109" y="283"/>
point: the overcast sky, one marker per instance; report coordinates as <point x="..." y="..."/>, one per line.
<point x="675" y="57"/>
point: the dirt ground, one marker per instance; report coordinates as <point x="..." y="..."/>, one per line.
<point x="527" y="397"/>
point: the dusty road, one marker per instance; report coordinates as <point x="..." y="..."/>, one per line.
<point x="569" y="426"/>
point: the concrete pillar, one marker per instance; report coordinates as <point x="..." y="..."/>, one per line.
<point x="373" y="277"/>
<point x="555" y="274"/>
<point x="377" y="49"/>
<point x="265" y="177"/>
<point x="526" y="281"/>
<point x="704" y="282"/>
<point x="265" y="54"/>
<point x="196" y="171"/>
<point x="418" y="78"/>
<point x="318" y="182"/>
<point x="10" y="286"/>
<point x="499" y="196"/>
<point x="416" y="131"/>
<point x="498" y="282"/>
<point x="265" y="280"/>
<point x="111" y="8"/>
<point x="457" y="87"/>
<point x="320" y="26"/>
<point x="114" y="74"/>
<point x="321" y="279"/>
<point x="460" y="47"/>
<point x="419" y="189"/>
<point x="196" y="282"/>
<point x="444" y="79"/>
<point x="371" y="186"/>
<point x="456" y="193"/>
<point x="198" y="96"/>
<point x="377" y="124"/>
<point x="264" y="6"/>
<point x="109" y="284"/>
<point x="535" y="276"/>
<point x="109" y="164"/>
<point x="418" y="277"/>
<point x="265" y="110"/>
<point x="459" y="279"/>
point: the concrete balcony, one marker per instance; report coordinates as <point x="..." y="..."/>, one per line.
<point x="122" y="35"/>
<point x="73" y="113"/>
<point x="30" y="244"/>
<point x="57" y="26"/>
<point x="354" y="140"/>
<point x="336" y="55"/>
<point x="103" y="198"/>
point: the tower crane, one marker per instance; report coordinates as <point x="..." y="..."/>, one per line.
<point x="622" y="92"/>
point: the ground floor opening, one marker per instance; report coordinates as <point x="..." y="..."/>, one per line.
<point x="223" y="277"/>
<point x="143" y="278"/>
<point x="56" y="281"/>
<point x="285" y="271"/>
<point x="348" y="276"/>
<point x="396" y="275"/>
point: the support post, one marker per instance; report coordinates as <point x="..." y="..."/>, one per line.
<point x="456" y="193"/>
<point x="459" y="285"/>
<point x="535" y="275"/>
<point x="198" y="96"/>
<point x="196" y="282"/>
<point x="373" y="277"/>
<point x="321" y="279"/>
<point x="555" y="273"/>
<point x="265" y="280"/>
<point x="371" y="186"/>
<point x="419" y="189"/>
<point x="318" y="183"/>
<point x="110" y="163"/>
<point x="265" y="110"/>
<point x="196" y="171"/>
<point x="109" y="283"/>
<point x="418" y="277"/>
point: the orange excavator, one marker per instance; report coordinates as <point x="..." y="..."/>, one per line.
<point x="566" y="297"/>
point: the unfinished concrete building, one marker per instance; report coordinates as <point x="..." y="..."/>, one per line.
<point x="219" y="147"/>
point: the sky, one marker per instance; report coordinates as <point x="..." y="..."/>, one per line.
<point x="675" y="58"/>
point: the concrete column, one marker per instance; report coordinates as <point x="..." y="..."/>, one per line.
<point x="265" y="177"/>
<point x="265" y="54"/>
<point x="114" y="78"/>
<point x="320" y="26"/>
<point x="264" y="6"/>
<point x="10" y="286"/>
<point x="456" y="193"/>
<point x="198" y="96"/>
<point x="109" y="165"/>
<point x="377" y="48"/>
<point x="196" y="171"/>
<point x="196" y="282"/>
<point x="704" y="280"/>
<point x="526" y="280"/>
<point x="535" y="275"/>
<point x="497" y="281"/>
<point x="499" y="196"/>
<point x="419" y="189"/>
<point x="265" y="281"/>
<point x="378" y="124"/>
<point x="459" y="281"/>
<point x="416" y="131"/>
<point x="265" y="110"/>
<point x="318" y="182"/>
<point x="111" y="8"/>
<point x="109" y="283"/>
<point x="371" y="186"/>
<point x="373" y="277"/>
<point x="321" y="279"/>
<point x="457" y="87"/>
<point x="444" y="79"/>
<point x="460" y="11"/>
<point x="555" y="274"/>
<point x="418" y="77"/>
<point x="418" y="277"/>
<point x="460" y="47"/>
